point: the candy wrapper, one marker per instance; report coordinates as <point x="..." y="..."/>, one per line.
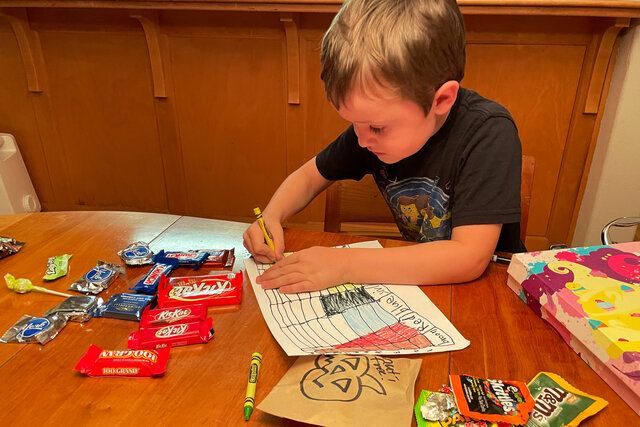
<point x="9" y="246"/>
<point x="559" y="404"/>
<point x="211" y="290"/>
<point x="168" y="316"/>
<point x="137" y="253"/>
<point x="98" y="278"/>
<point x="123" y="363"/>
<point x="149" y="283"/>
<point x="220" y="258"/>
<point x="153" y="337"/>
<point x="185" y="259"/>
<point x="34" y="329"/>
<point x="125" y="306"/>
<point x="435" y="409"/>
<point x="57" y="267"/>
<point x="78" y="308"/>
<point x="492" y="400"/>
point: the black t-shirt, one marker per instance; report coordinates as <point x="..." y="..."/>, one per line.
<point x="467" y="173"/>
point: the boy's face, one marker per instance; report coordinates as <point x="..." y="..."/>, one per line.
<point x="390" y="127"/>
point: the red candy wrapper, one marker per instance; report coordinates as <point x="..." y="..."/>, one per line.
<point x="153" y="337"/>
<point x="492" y="400"/>
<point x="223" y="289"/>
<point x="168" y="316"/>
<point x="123" y="363"/>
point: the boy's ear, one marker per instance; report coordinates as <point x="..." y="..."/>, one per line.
<point x="445" y="97"/>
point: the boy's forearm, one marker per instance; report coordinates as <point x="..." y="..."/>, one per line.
<point x="432" y="263"/>
<point x="296" y="192"/>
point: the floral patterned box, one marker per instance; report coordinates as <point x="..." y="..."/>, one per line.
<point x="591" y="297"/>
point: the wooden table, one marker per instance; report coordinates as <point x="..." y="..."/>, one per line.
<point x="205" y="384"/>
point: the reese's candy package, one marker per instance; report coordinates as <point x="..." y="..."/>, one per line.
<point x="9" y="246"/>
<point x="123" y="363"/>
<point x="558" y="403"/>
<point x="57" y="267"/>
<point x="185" y="259"/>
<point x="98" y="278"/>
<point x="167" y="316"/>
<point x="125" y="306"/>
<point x="492" y="400"/>
<point x="77" y="308"/>
<point x="153" y="337"/>
<point x="149" y="283"/>
<point x="34" y="329"/>
<point x="137" y="253"/>
<point x="223" y="289"/>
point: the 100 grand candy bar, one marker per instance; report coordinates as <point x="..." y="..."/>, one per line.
<point x="211" y="290"/>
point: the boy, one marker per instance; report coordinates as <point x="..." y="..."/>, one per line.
<point x="447" y="161"/>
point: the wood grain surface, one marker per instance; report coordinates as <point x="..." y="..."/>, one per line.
<point x="205" y="384"/>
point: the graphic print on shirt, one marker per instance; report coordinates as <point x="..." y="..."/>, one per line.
<point x="421" y="209"/>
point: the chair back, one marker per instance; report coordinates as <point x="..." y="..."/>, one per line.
<point x="625" y="221"/>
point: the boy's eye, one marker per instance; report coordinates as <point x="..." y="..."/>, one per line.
<point x="375" y="129"/>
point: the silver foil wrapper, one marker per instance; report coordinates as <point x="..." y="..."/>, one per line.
<point x="9" y="246"/>
<point x="78" y="308"/>
<point x="137" y="253"/>
<point x="34" y="329"/>
<point x="437" y="407"/>
<point x="98" y="279"/>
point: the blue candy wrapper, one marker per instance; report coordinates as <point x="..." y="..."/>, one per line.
<point x="125" y="306"/>
<point x="149" y="283"/>
<point x="186" y="259"/>
<point x="137" y="253"/>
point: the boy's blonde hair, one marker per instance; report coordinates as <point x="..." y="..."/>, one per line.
<point x="411" y="47"/>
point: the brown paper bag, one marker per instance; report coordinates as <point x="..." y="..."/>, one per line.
<point x="346" y="390"/>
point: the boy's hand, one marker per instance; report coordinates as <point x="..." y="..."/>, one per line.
<point x="307" y="270"/>
<point x="253" y="240"/>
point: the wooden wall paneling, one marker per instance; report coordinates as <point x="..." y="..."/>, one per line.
<point x="101" y="96"/>
<point x="536" y="73"/>
<point x="166" y="117"/>
<point x="290" y="22"/>
<point x="29" y="44"/>
<point x="229" y="78"/>
<point x="540" y="100"/>
<point x="566" y="202"/>
<point x="322" y="124"/>
<point x="28" y="111"/>
<point x="603" y="59"/>
<point x="592" y="145"/>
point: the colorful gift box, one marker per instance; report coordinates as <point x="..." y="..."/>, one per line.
<point x="591" y="297"/>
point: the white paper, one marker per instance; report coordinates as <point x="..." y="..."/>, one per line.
<point x="356" y="319"/>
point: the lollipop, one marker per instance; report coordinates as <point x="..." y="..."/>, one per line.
<point x="22" y="286"/>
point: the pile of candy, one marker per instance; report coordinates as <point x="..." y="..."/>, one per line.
<point x="180" y="319"/>
<point x="548" y="400"/>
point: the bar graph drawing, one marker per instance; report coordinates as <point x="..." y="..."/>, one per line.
<point x="356" y="319"/>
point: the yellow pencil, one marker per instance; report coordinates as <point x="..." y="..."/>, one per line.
<point x="267" y="235"/>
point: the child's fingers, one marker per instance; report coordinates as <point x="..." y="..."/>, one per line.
<point x="278" y="241"/>
<point x="253" y="240"/>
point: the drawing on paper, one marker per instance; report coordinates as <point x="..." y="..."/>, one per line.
<point x="353" y="318"/>
<point x="343" y="377"/>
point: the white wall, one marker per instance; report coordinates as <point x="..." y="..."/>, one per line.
<point x="613" y="186"/>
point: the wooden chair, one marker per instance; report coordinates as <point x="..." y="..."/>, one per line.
<point x="344" y="211"/>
